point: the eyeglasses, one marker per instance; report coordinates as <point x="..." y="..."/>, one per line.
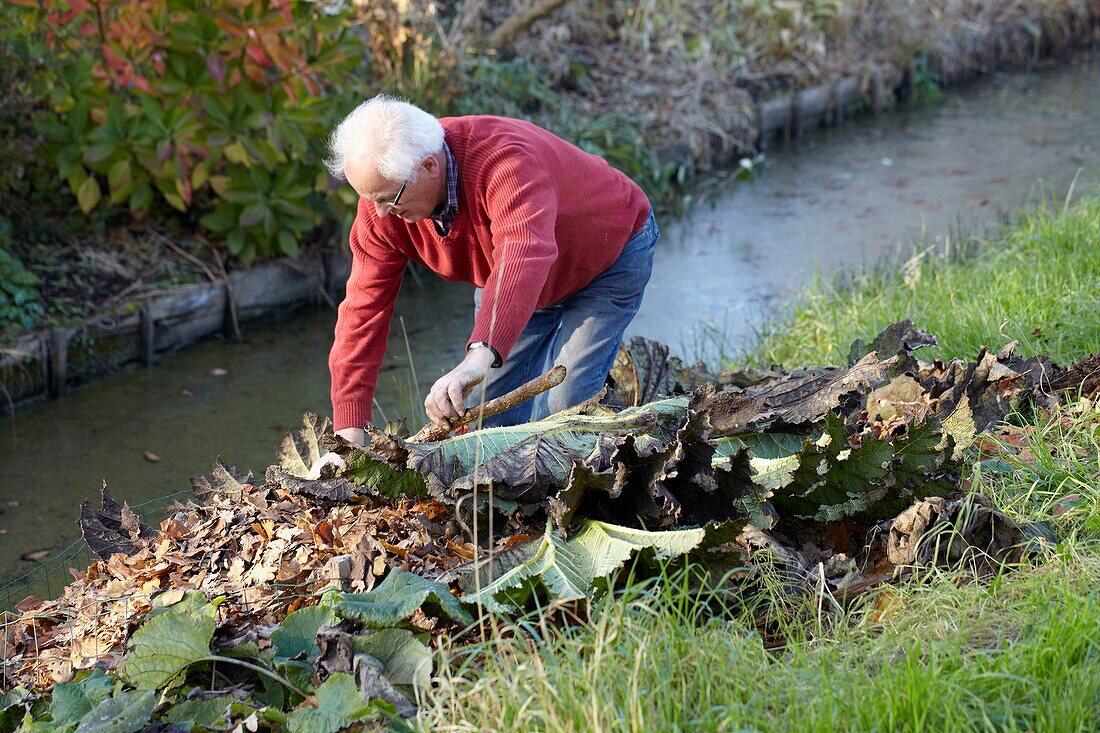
<point x="397" y="198"/>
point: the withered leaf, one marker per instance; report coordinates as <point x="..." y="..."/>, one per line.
<point x="528" y="470"/>
<point x="582" y="480"/>
<point x="897" y="339"/>
<point x="799" y="401"/>
<point x="102" y="540"/>
<point x="114" y="528"/>
<point x="970" y="529"/>
<point x="333" y="490"/>
<point x="224" y="480"/>
<point x="297" y="455"/>
<point x="644" y="372"/>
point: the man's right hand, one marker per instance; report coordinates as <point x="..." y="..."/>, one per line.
<point x="355" y="436"/>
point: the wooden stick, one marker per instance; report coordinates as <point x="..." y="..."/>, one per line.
<point x="432" y="432"/>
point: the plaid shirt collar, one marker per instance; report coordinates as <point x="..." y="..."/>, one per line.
<point x="445" y="214"/>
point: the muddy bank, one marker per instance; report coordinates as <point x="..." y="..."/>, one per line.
<point x="709" y="81"/>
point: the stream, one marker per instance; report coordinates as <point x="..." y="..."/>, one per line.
<point x="842" y="197"/>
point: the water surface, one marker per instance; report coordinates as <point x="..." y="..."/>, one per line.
<point x="842" y="197"/>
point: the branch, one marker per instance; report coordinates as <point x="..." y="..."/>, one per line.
<point x="432" y="432"/>
<point x="518" y="23"/>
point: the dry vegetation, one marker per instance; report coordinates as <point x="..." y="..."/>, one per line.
<point x="690" y="72"/>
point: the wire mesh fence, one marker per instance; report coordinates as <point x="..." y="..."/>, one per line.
<point x="47" y="579"/>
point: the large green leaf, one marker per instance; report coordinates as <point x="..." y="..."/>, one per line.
<point x="339" y="704"/>
<point x="297" y="634"/>
<point x="367" y="469"/>
<point x="14" y="706"/>
<point x="406" y="661"/>
<point x="126" y="712"/>
<point x="568" y="569"/>
<point x="529" y="469"/>
<point x="833" y="479"/>
<point x="73" y="700"/>
<point x="169" y="642"/>
<point x="834" y="475"/>
<point x="397" y="598"/>
<point x="210" y="713"/>
<point x="773" y="458"/>
<point x="573" y="435"/>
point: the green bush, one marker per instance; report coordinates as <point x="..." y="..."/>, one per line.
<point x="214" y="113"/>
<point x="20" y="306"/>
<point x="28" y="191"/>
<point x="18" y="138"/>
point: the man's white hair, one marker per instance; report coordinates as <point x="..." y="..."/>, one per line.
<point x="391" y="135"/>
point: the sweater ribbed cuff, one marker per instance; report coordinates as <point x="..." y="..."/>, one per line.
<point x="350" y="415"/>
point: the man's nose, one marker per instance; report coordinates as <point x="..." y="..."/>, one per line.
<point x="382" y="209"/>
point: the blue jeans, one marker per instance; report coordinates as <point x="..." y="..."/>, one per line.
<point x="582" y="332"/>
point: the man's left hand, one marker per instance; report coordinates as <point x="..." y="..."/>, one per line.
<point x="446" y="403"/>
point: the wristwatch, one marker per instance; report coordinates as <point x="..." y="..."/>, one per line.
<point x="482" y="345"/>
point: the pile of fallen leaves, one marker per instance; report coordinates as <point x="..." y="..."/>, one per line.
<point x="843" y="477"/>
<point x="264" y="548"/>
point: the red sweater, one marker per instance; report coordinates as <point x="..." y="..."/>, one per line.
<point x="537" y="220"/>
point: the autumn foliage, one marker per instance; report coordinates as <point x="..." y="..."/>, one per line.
<point x="212" y="112"/>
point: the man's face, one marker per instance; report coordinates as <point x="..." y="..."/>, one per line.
<point x="416" y="201"/>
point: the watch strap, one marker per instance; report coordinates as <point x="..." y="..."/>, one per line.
<point x="497" y="361"/>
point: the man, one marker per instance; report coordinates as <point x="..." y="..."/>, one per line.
<point x="558" y="243"/>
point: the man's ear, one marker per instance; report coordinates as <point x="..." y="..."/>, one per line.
<point x="431" y="165"/>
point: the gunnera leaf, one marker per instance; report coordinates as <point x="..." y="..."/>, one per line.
<point x="835" y="478"/>
<point x="367" y="469"/>
<point x="397" y="598"/>
<point x="567" y="569"/>
<point x="644" y="372"/>
<point x="581" y="483"/>
<point x="529" y="470"/>
<point x="797" y="401"/>
<point x="444" y="462"/>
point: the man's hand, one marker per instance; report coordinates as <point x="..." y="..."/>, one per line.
<point x="355" y="436"/>
<point x="446" y="403"/>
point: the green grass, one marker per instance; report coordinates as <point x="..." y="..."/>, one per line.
<point x="1039" y="283"/>
<point x="944" y="651"/>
